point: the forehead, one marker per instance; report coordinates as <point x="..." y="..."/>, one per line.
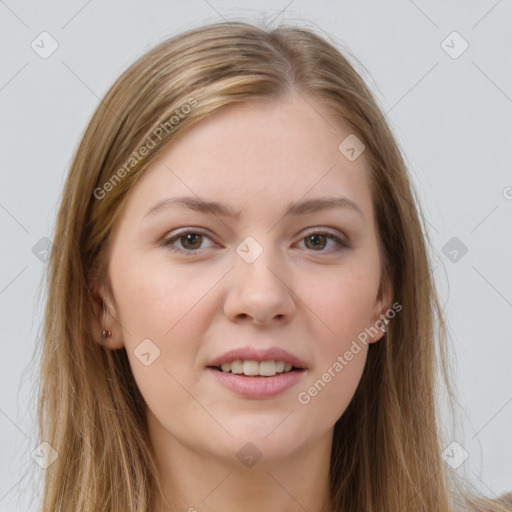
<point x="258" y="155"/>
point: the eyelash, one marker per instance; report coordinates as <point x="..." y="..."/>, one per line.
<point x="168" y="242"/>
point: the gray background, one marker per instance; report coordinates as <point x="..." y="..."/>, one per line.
<point x="452" y="117"/>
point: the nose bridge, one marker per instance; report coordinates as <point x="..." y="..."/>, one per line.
<point x="259" y="283"/>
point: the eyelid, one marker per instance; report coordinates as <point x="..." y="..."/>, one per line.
<point x="342" y="240"/>
<point x="326" y="231"/>
<point x="174" y="236"/>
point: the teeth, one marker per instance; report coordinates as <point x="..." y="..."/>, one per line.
<point x="236" y="367"/>
<point x="250" y="367"/>
<point x="267" y="368"/>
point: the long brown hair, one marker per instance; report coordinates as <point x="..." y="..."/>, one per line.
<point x="387" y="445"/>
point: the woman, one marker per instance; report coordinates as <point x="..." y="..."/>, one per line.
<point x="240" y="307"/>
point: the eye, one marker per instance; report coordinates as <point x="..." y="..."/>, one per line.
<point x="190" y="241"/>
<point x="317" y="241"/>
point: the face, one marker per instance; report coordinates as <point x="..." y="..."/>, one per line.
<point x="190" y="286"/>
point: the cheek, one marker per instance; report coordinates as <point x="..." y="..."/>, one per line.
<point x="160" y="302"/>
<point x="344" y="301"/>
<point x="343" y="377"/>
<point x="155" y="297"/>
<point x="332" y="385"/>
<point x="162" y="311"/>
<point x="344" y="304"/>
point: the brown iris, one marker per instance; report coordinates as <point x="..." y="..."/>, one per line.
<point x="194" y="239"/>
<point x="316" y="242"/>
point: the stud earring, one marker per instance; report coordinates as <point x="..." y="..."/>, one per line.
<point x="106" y="334"/>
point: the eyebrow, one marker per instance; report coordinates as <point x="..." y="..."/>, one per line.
<point x="298" y="208"/>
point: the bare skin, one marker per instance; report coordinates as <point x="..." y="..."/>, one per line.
<point x="203" y="299"/>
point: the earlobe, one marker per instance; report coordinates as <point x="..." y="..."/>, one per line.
<point x="105" y="328"/>
<point x="383" y="304"/>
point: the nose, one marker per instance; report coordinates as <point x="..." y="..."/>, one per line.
<point x="259" y="292"/>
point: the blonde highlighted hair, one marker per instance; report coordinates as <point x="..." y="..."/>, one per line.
<point x="387" y="445"/>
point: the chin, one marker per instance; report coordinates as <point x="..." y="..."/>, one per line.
<point x="271" y="435"/>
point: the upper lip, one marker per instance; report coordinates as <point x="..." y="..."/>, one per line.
<point x="258" y="354"/>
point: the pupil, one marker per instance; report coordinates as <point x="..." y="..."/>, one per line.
<point x="192" y="238"/>
<point x="316" y="238"/>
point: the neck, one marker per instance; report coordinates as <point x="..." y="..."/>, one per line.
<point x="192" y="480"/>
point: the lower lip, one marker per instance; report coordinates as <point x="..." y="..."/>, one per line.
<point x="257" y="387"/>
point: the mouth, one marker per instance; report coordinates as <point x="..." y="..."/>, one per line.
<point x="255" y="385"/>
<point x="257" y="373"/>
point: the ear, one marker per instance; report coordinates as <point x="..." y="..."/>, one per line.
<point x="382" y="304"/>
<point x="104" y="318"/>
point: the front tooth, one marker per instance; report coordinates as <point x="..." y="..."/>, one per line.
<point x="279" y="366"/>
<point x="226" y="367"/>
<point x="237" y="367"/>
<point x="287" y="367"/>
<point x="251" y="367"/>
<point x="267" y="368"/>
